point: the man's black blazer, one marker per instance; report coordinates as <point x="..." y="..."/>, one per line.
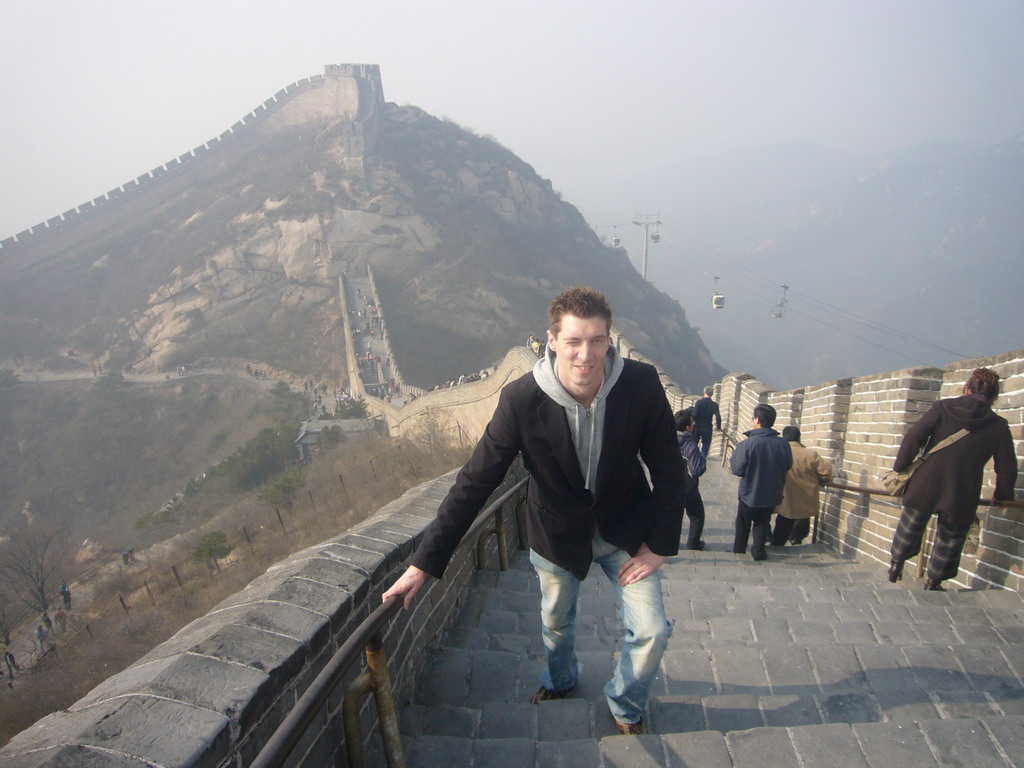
<point x="561" y="513"/>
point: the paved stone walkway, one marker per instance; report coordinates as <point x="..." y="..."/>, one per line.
<point x="358" y="293"/>
<point x="807" y="659"/>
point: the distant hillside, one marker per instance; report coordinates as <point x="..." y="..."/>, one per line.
<point x="92" y="461"/>
<point x="236" y="253"/>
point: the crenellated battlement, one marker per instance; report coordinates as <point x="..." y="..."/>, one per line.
<point x="353" y="90"/>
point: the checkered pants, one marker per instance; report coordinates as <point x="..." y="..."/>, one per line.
<point x="944" y="561"/>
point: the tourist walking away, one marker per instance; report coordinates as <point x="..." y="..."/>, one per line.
<point x="693" y="504"/>
<point x="761" y="462"/>
<point x="65" y="593"/>
<point x="61" y="620"/>
<point x="40" y="636"/>
<point x="705" y="411"/>
<point x="582" y="420"/>
<point x="12" y="665"/>
<point x="948" y="484"/>
<point x="800" y="497"/>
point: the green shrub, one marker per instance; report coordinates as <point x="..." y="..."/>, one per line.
<point x="354" y="408"/>
<point x="282" y="490"/>
<point x="262" y="457"/>
<point x="212" y="546"/>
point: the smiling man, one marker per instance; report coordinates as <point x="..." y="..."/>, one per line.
<point x="583" y="420"/>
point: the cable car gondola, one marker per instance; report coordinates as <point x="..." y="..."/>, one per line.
<point x="717" y="299"/>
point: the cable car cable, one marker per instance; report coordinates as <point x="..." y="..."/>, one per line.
<point x="833" y="309"/>
<point x="790" y="307"/>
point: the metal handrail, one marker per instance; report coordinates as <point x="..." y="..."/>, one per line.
<point x="367" y="635"/>
<point x="1009" y="503"/>
<point x="290" y="731"/>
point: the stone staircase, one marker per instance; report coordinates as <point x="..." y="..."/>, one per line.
<point x="806" y="659"/>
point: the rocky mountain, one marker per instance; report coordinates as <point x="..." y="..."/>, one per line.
<point x="234" y="251"/>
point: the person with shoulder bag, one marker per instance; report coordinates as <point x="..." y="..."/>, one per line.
<point x="948" y="484"/>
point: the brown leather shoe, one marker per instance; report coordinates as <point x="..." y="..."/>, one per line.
<point x="631" y="729"/>
<point x="545" y="694"/>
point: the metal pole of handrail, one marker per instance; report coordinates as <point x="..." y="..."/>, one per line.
<point x="481" y="519"/>
<point x="498" y="531"/>
<point x="376" y="681"/>
<point x="280" y="745"/>
<point x="730" y="445"/>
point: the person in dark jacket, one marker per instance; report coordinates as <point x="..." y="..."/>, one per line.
<point x="696" y="465"/>
<point x="948" y="484"/>
<point x="705" y="411"/>
<point x="761" y="462"/>
<point x="582" y="419"/>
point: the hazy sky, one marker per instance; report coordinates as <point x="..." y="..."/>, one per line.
<point x="98" y="93"/>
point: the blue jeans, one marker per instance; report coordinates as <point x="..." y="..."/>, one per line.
<point x="643" y="614"/>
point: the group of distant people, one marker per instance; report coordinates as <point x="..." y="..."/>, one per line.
<point x="466" y="378"/>
<point x="779" y="475"/>
<point x="44" y="632"/>
<point x="257" y="373"/>
<point x="776" y="476"/>
<point x="385" y="391"/>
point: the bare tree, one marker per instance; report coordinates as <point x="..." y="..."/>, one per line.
<point x="8" y="617"/>
<point x="29" y="561"/>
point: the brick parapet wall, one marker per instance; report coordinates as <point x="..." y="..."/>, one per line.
<point x="788" y="407"/>
<point x="823" y="420"/>
<point x="466" y="408"/>
<point x="213" y="694"/>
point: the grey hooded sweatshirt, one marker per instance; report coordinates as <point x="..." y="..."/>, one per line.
<point x="585" y="424"/>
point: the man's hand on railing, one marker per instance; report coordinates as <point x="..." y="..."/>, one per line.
<point x="407" y="586"/>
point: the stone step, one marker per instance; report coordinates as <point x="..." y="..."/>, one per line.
<point x="883" y="680"/>
<point x="582" y="719"/>
<point x="929" y="743"/>
<point x="749" y="583"/>
<point x="858" y="619"/>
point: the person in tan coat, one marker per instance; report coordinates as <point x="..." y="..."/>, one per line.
<point x="800" y="497"/>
